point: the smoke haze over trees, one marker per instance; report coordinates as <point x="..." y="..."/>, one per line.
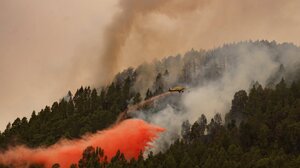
<point x="267" y="135"/>
<point x="48" y="47"/>
<point x="212" y="116"/>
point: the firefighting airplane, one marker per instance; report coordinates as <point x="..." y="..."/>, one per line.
<point x="178" y="89"/>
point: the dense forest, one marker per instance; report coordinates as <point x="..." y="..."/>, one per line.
<point x="73" y="116"/>
<point x="261" y="129"/>
<point x="268" y="135"/>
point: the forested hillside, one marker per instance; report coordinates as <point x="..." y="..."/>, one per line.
<point x="260" y="127"/>
<point x="73" y="116"/>
<point x="268" y="136"/>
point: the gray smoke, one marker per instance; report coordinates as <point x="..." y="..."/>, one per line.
<point x="132" y="15"/>
<point x="237" y="67"/>
<point x="48" y="48"/>
<point x="143" y="30"/>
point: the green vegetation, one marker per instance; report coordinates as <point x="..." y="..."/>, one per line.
<point x="262" y="128"/>
<point x="268" y="135"/>
<point x="73" y="116"/>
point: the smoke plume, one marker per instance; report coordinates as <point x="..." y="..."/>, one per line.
<point x="237" y="67"/>
<point x="132" y="11"/>
<point x="144" y="30"/>
<point x="91" y="44"/>
<point x="130" y="137"/>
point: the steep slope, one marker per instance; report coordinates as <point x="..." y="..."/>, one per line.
<point x="212" y="77"/>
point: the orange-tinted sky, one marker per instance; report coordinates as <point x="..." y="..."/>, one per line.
<point x="46" y="48"/>
<point x="49" y="47"/>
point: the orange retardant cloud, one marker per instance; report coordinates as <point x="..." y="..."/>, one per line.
<point x="130" y="137"/>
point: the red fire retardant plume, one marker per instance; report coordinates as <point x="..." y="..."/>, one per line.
<point x="130" y="137"/>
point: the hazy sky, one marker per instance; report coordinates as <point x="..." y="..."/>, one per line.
<point x="46" y="48"/>
<point x="52" y="46"/>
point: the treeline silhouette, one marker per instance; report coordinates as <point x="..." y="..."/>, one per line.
<point x="261" y="130"/>
<point x="73" y="116"/>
